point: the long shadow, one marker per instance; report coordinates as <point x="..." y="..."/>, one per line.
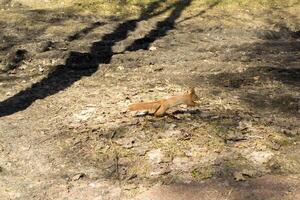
<point x="201" y="12"/>
<point x="39" y="19"/>
<point x="256" y="189"/>
<point x="80" y="64"/>
<point x="263" y="98"/>
<point x="162" y="27"/>
<point x="84" y="31"/>
<point x="279" y="70"/>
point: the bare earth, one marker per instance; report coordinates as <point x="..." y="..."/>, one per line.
<point x="65" y="132"/>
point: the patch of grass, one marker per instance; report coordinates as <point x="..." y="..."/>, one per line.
<point x="216" y="144"/>
<point x="140" y="168"/>
<point x="280" y="139"/>
<point x="236" y="163"/>
<point x="289" y="164"/>
<point x="126" y="8"/>
<point x="224" y="125"/>
<point x="220" y="128"/>
<point x="202" y="173"/>
<point x="258" y="4"/>
<point x="172" y="146"/>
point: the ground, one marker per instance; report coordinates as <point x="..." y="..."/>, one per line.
<point x="68" y="76"/>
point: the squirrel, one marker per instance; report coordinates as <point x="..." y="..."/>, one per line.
<point x="162" y="105"/>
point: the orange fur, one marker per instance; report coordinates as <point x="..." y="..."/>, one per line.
<point x="144" y="106"/>
<point x="161" y="106"/>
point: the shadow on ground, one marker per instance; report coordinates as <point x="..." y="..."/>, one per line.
<point x="260" y="95"/>
<point x="87" y="63"/>
<point x="272" y="82"/>
<point x="30" y="25"/>
<point x="268" y="187"/>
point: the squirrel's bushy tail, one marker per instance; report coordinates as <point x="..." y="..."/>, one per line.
<point x="144" y="106"/>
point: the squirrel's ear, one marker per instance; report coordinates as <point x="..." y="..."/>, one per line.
<point x="192" y="90"/>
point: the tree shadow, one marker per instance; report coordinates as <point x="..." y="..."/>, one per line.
<point x="215" y="3"/>
<point x="162" y="27"/>
<point x="253" y="75"/>
<point x="283" y="29"/>
<point x="84" y="31"/>
<point x="78" y="64"/>
<point x="282" y="69"/>
<point x="28" y="25"/>
<point x="258" y="189"/>
<point x="272" y="85"/>
<point x="121" y="167"/>
<point x="254" y="87"/>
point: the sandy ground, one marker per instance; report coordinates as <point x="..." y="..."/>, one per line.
<point x="66" y="132"/>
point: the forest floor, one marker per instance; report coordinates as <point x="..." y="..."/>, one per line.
<point x="68" y="77"/>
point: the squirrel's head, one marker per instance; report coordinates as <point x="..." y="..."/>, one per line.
<point x="193" y="94"/>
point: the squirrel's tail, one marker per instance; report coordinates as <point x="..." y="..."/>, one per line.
<point x="144" y="106"/>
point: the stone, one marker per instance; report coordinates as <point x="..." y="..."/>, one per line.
<point x="259" y="157"/>
<point x="238" y="176"/>
<point x="44" y="46"/>
<point x="127" y="143"/>
<point x="14" y="59"/>
<point x="84" y="115"/>
<point x="78" y="176"/>
<point x="141" y="113"/>
<point x="183" y="164"/>
<point x="160" y="169"/>
<point x="155" y="156"/>
<point x="152" y="48"/>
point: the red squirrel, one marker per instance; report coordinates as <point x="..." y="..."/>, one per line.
<point x="162" y="105"/>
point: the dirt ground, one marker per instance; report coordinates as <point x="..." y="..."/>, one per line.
<point x="67" y="79"/>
